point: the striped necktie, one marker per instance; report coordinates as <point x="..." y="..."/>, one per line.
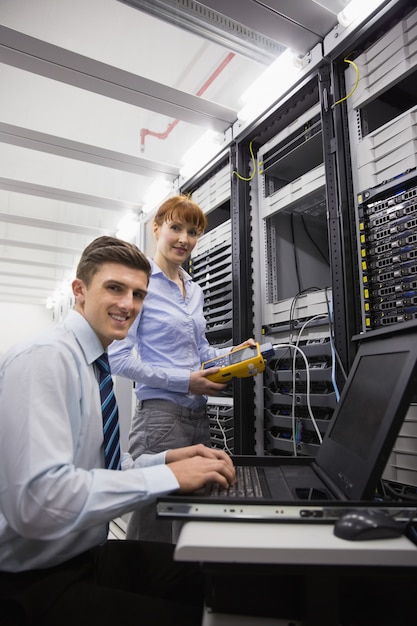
<point x="110" y="414"/>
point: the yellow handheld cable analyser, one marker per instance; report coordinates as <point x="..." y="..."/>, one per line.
<point x="241" y="363"/>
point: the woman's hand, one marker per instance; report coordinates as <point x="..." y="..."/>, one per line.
<point x="248" y="342"/>
<point x="202" y="386"/>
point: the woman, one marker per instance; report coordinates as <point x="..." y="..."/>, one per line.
<point x="170" y="344"/>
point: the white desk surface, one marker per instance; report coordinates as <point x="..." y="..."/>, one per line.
<point x="307" y="544"/>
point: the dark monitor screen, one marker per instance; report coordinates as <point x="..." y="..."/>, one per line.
<point x="364" y="407"/>
<point x="369" y="414"/>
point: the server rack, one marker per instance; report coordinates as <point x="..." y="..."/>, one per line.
<point x="308" y="181"/>
<point x="211" y="267"/>
<point x="223" y="256"/>
<point x="383" y="135"/>
<point x="291" y="202"/>
<point x="383" y="125"/>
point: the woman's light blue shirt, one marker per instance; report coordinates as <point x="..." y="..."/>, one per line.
<point x="166" y="343"/>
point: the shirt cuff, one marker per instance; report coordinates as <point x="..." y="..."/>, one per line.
<point x="160" y="479"/>
<point x="145" y="460"/>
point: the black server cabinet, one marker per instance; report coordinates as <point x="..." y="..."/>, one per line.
<point x="382" y="122"/>
<point x="215" y="265"/>
<point x="301" y="272"/>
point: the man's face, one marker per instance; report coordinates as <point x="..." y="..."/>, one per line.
<point x="112" y="301"/>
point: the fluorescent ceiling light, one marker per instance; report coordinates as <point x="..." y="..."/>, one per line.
<point x="128" y="227"/>
<point x="62" y="292"/>
<point x="333" y="6"/>
<point x="357" y="9"/>
<point x="279" y="76"/>
<point x="200" y="153"/>
<point x="155" y="193"/>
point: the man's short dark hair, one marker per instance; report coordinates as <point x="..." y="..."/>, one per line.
<point x="110" y="250"/>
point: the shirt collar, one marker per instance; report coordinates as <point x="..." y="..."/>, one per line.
<point x="87" y="339"/>
<point x="157" y="270"/>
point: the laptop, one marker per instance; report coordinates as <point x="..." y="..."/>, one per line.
<point x="351" y="459"/>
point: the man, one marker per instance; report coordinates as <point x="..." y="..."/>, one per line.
<point x="56" y="495"/>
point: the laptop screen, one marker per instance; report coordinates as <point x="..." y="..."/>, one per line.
<point x="369" y="414"/>
<point x="369" y="393"/>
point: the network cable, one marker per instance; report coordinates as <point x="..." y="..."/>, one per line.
<point x="226" y="447"/>
<point x="298" y="349"/>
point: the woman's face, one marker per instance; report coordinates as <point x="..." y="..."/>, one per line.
<point x="175" y="240"/>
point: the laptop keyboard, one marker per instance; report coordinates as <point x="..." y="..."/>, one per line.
<point x="247" y="485"/>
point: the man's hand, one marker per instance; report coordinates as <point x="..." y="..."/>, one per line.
<point x="195" y="466"/>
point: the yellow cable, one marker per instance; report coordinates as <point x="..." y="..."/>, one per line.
<point x="253" y="163"/>
<point x="354" y="86"/>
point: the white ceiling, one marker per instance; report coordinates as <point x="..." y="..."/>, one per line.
<point x="99" y="98"/>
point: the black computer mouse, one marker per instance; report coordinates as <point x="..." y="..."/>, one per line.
<point x="367" y="524"/>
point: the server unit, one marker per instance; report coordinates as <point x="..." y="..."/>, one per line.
<point x="387" y="221"/>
